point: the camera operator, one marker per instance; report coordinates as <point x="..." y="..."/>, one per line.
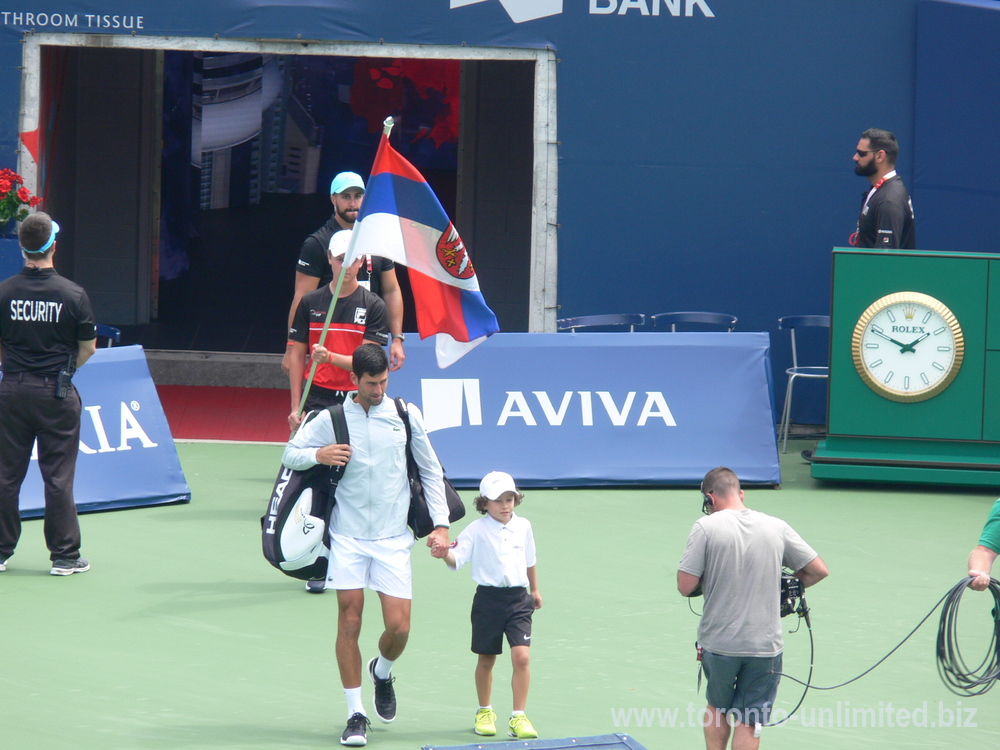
<point x="736" y="555"/>
<point x="47" y="330"/>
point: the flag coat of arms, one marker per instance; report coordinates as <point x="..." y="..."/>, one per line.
<point x="402" y="219"/>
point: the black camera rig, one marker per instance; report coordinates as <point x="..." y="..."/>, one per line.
<point x="792" y="596"/>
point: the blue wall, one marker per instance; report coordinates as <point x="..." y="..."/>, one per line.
<point x="705" y="162"/>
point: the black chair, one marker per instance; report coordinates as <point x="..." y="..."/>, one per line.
<point x="791" y="322"/>
<point x="601" y="321"/>
<point x="672" y="319"/>
<point x="112" y="334"/>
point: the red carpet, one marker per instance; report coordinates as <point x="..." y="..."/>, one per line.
<point x="208" y="412"/>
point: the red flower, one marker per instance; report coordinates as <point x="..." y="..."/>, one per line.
<point x="14" y="201"/>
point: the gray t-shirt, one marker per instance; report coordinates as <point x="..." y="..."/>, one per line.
<point x="738" y="555"/>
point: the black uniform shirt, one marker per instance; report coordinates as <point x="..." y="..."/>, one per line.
<point x="42" y="317"/>
<point x="313" y="260"/>
<point x="886" y="219"/>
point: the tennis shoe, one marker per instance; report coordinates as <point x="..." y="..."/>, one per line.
<point x="486" y="722"/>
<point x="385" y="694"/>
<point x="356" y="733"/>
<point x="521" y="729"/>
<point x="3" y="565"/>
<point x="69" y="567"/>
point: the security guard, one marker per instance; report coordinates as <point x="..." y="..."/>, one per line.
<point x="47" y="330"/>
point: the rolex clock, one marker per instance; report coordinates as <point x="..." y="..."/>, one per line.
<point x="907" y="346"/>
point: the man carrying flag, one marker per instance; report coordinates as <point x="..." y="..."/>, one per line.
<point x="404" y="220"/>
<point x="359" y="316"/>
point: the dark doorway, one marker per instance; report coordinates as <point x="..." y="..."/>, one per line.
<point x="203" y="255"/>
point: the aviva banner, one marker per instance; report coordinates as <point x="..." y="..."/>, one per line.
<point x="127" y="455"/>
<point x="590" y="409"/>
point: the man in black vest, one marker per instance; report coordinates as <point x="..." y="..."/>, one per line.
<point x="47" y="330"/>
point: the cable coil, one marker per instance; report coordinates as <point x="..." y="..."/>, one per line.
<point x="954" y="672"/>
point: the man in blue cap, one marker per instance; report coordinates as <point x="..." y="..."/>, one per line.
<point x="378" y="275"/>
<point x="47" y="330"/>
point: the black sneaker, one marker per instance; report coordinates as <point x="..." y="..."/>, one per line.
<point x="356" y="734"/>
<point x="69" y="567"/>
<point x="385" y="695"/>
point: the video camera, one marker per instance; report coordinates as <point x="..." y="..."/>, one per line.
<point x="791" y="590"/>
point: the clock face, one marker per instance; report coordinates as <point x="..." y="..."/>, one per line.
<point x="907" y="346"/>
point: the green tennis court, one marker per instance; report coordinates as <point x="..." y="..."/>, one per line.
<point x="182" y="636"/>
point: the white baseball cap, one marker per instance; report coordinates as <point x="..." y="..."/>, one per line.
<point x="339" y="242"/>
<point x="495" y="484"/>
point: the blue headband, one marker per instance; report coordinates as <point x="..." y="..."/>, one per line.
<point x="47" y="245"/>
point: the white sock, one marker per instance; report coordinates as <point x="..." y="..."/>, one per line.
<point x="516" y="713"/>
<point x="354" y="704"/>
<point x="383" y="667"/>
<point x="486" y="708"/>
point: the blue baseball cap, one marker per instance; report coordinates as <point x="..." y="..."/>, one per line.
<point x="346" y="180"/>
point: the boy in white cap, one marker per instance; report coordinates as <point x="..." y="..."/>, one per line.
<point x="501" y="549"/>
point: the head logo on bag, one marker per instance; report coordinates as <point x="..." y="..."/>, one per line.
<point x="293" y="528"/>
<point x="303" y="536"/>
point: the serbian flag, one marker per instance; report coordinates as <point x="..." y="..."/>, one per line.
<point x="401" y="219"/>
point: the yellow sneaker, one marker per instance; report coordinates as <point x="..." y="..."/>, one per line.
<point x="486" y="722"/>
<point x="520" y="728"/>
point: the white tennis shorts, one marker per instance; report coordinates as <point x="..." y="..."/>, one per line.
<point x="378" y="564"/>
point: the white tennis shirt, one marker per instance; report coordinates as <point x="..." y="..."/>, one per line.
<point x="500" y="553"/>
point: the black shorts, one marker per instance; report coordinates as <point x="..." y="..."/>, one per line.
<point x="319" y="398"/>
<point x="497" y="612"/>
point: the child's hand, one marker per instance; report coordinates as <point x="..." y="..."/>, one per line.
<point x="537" y="598"/>
<point x="439" y="550"/>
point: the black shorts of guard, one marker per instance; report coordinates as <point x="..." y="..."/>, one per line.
<point x="497" y="612"/>
<point x="742" y="686"/>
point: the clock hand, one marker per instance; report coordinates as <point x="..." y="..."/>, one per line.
<point x="900" y="344"/>
<point x="909" y="347"/>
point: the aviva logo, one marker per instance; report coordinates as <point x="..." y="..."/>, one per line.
<point x="521" y="10"/>
<point x="446" y="401"/>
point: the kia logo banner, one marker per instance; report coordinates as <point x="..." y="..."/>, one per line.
<point x="127" y="455"/>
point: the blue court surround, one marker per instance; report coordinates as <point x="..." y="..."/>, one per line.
<point x="726" y="128"/>
<point x="957" y="108"/>
<point x="595" y="409"/>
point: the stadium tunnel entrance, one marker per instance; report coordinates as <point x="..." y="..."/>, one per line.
<point x="187" y="171"/>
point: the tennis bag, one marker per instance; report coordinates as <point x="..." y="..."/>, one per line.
<point x="293" y="529"/>
<point x="419" y="517"/>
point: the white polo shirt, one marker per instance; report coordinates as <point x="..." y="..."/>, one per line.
<point x="500" y="553"/>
